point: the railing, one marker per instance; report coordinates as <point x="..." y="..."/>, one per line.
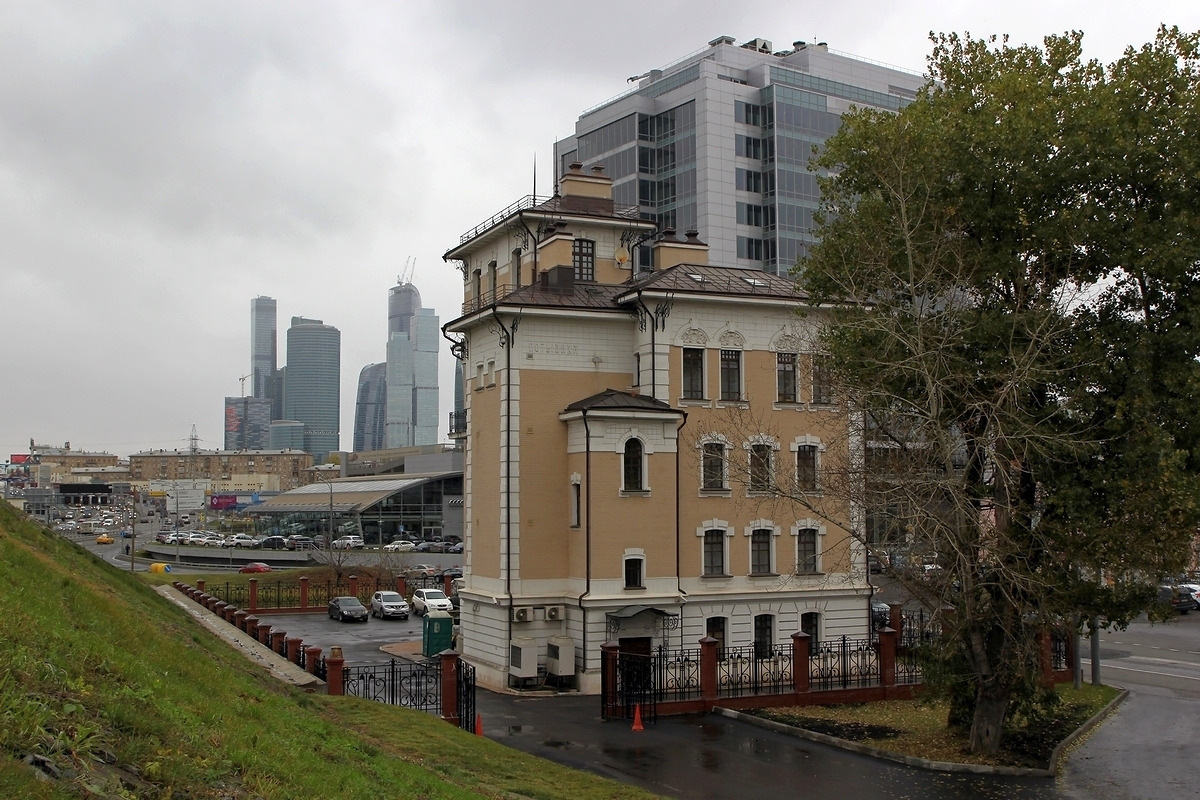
<point x="398" y="683"/>
<point x="464" y="677"/>
<point x="1059" y="649"/>
<point x="755" y="669"/>
<point x="488" y="298"/>
<point x="458" y="422"/>
<point x="908" y="667"/>
<point x="528" y="201"/>
<point x="842" y="663"/>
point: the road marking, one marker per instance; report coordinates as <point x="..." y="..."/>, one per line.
<point x="1110" y="665"/>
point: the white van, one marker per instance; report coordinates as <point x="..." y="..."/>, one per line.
<point x="185" y="519"/>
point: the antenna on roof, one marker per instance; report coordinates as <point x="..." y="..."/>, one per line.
<point x="535" y="176"/>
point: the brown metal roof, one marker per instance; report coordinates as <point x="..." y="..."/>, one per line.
<point x="614" y="399"/>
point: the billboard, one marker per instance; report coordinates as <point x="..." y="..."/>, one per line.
<point x="222" y="502"/>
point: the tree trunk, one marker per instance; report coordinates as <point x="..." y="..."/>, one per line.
<point x="991" y="708"/>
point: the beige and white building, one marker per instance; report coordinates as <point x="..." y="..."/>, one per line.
<point x="628" y="433"/>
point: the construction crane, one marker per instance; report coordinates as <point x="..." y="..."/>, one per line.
<point x="243" y="380"/>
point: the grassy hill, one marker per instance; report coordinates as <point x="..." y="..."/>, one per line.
<point x="108" y="690"/>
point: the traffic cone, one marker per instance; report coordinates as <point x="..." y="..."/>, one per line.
<point x="637" y="718"/>
<point x="479" y="724"/>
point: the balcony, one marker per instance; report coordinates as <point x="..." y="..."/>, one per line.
<point x="458" y="424"/>
<point x="487" y="298"/>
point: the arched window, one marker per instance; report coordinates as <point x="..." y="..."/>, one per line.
<point x="632" y="471"/>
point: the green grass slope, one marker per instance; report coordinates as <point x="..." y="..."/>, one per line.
<point x="108" y="690"/>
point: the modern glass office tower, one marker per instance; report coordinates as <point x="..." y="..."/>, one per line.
<point x="720" y="141"/>
<point x="247" y="423"/>
<point x="370" y="411"/>
<point x="263" y="345"/>
<point x="414" y="337"/>
<point x="312" y="389"/>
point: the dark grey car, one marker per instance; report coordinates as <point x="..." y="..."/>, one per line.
<point x="345" y="609"/>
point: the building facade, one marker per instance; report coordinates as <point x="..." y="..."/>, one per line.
<point x="370" y="410"/>
<point x="223" y="470"/>
<point x="247" y="423"/>
<point x="644" y="449"/>
<point x="720" y="141"/>
<point x="414" y="338"/>
<point x="264" y="359"/>
<point x="312" y="389"/>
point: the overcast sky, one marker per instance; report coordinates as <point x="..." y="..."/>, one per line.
<point x="162" y="163"/>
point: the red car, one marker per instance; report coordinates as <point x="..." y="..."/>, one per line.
<point x="256" y="566"/>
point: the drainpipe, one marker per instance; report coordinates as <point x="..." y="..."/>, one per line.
<point x="507" y="340"/>
<point x="587" y="528"/>
<point x="653" y="347"/>
<point x="678" y="530"/>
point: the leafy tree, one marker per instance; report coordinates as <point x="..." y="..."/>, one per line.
<point x="1010" y="265"/>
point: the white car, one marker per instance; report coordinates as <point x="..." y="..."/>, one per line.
<point x="399" y="546"/>
<point x="348" y="543"/>
<point x="426" y="600"/>
<point x="241" y="540"/>
<point x="389" y="604"/>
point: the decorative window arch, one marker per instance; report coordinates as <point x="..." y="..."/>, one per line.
<point x="633" y="563"/>
<point x="762" y="534"/>
<point x="714" y="537"/>
<point x="760" y="461"/>
<point x="807" y="462"/>
<point x="809" y="535"/>
<point x="714" y="463"/>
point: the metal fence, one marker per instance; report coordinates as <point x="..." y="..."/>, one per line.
<point x="754" y="669"/>
<point x="1059" y="649"/>
<point x="842" y="663"/>
<point x="465" y="679"/>
<point x="678" y="673"/>
<point x="320" y="670"/>
<point x="398" y="683"/>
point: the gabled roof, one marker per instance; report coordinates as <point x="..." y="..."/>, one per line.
<point x="611" y="399"/>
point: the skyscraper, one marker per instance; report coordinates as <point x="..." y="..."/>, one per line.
<point x="370" y="412"/>
<point x="247" y="423"/>
<point x="414" y="337"/>
<point x="263" y="347"/>
<point x="312" y="390"/>
<point x="720" y="141"/>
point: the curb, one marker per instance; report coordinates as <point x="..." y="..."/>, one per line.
<point x="922" y="763"/>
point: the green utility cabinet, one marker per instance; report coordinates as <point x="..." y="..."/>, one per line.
<point x="437" y="633"/>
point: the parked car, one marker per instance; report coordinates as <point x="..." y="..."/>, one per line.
<point x="399" y="546"/>
<point x="273" y="543"/>
<point x="347" y="608"/>
<point x="430" y="547"/>
<point x="1178" y="597"/>
<point x="426" y="600"/>
<point x="256" y="566"/>
<point x="300" y="543"/>
<point x="451" y="572"/>
<point x="348" y="543"/>
<point x="457" y="547"/>
<point x="241" y="540"/>
<point x="389" y="604"/>
<point x="419" y="570"/>
<point x="104" y="538"/>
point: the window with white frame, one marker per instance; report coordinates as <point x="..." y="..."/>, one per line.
<point x="761" y="457"/>
<point x="731" y="375"/>
<point x="807" y="553"/>
<point x="761" y="545"/>
<point x="806" y="468"/>
<point x="822" y="380"/>
<point x="712" y="467"/>
<point x="635" y="572"/>
<point x="714" y="552"/>
<point x="693" y="373"/>
<point x="632" y="466"/>
<point x="785" y="377"/>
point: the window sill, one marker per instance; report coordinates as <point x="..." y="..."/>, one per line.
<point x="694" y="402"/>
<point x="716" y="493"/>
<point x="635" y="588"/>
<point x="717" y="577"/>
<point x="763" y="575"/>
<point x="635" y="493"/>
<point x="814" y="574"/>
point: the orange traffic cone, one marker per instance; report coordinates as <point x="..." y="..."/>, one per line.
<point x="637" y="718"/>
<point x="479" y="724"/>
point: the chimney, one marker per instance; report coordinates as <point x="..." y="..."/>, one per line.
<point x="670" y="250"/>
<point x="589" y="193"/>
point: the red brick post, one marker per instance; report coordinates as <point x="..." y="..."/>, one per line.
<point x="609" y="656"/>
<point x="896" y="617"/>
<point x="333" y="670"/>
<point x="239" y="619"/>
<point x="401" y="586"/>
<point x="708" y="670"/>
<point x="293" y="649"/>
<point x="1045" y="660"/>
<point x="230" y="613"/>
<point x="277" y="638"/>
<point x="252" y="626"/>
<point x="887" y="656"/>
<point x="447" y="585"/>
<point x="311" y="656"/>
<point x="219" y="608"/>
<point x="304" y="592"/>
<point x="253" y="594"/>
<point x="200" y="584"/>
<point x="801" y="647"/>
<point x="354" y="586"/>
<point x="264" y="633"/>
<point x="450" y="686"/>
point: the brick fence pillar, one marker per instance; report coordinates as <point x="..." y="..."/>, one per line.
<point x="200" y="584"/>
<point x="219" y="608"/>
<point x="450" y="686"/>
<point x="354" y="586"/>
<point x="610" y="653"/>
<point x="708" y="671"/>
<point x="304" y="592"/>
<point x="801" y="646"/>
<point x="887" y="656"/>
<point x="253" y="594"/>
<point x="447" y="585"/>
<point x="896" y="617"/>
<point x="277" y="638"/>
<point x="231" y="613"/>
<point x="311" y="656"/>
<point x="401" y="586"/>
<point x="293" y="649"/>
<point x="252" y="626"/>
<point x="239" y="619"/>
<point x="334" y="666"/>
<point x="264" y="633"/>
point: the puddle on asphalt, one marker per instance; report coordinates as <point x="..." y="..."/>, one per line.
<point x="515" y="729"/>
<point x="559" y="745"/>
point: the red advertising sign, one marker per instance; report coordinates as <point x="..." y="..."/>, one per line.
<point x="221" y="502"/>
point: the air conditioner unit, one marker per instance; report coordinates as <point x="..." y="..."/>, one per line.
<point x="523" y="658"/>
<point x="520" y="615"/>
<point x="560" y="656"/>
<point x="554" y="612"/>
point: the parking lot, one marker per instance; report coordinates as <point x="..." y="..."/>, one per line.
<point x="360" y="642"/>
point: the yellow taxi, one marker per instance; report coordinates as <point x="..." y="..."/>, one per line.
<point x="104" y="538"/>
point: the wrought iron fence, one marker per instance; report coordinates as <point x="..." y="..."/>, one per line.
<point x="909" y="667"/>
<point x="634" y="689"/>
<point x="278" y="595"/>
<point x="919" y="627"/>
<point x="397" y="683"/>
<point x="465" y="680"/>
<point x="755" y="669"/>
<point x="842" y="663"/>
<point x="1059" y="649"/>
<point x="678" y="675"/>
